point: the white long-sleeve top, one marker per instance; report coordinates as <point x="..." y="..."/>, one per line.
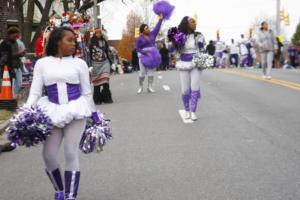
<point x="193" y="44"/>
<point x="52" y="70"/>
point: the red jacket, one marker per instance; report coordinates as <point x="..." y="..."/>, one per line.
<point x="39" y="48"/>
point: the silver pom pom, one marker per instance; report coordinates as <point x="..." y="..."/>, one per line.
<point x="203" y="61"/>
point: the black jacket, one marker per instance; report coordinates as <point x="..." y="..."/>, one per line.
<point x="6" y="58"/>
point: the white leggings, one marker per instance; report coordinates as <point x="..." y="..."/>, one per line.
<point x="145" y="71"/>
<point x="71" y="134"/>
<point x="267" y="62"/>
<point x="190" y="80"/>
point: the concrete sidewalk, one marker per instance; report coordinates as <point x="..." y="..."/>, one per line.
<point x="3" y="125"/>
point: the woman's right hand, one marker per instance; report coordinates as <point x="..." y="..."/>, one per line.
<point x="161" y="17"/>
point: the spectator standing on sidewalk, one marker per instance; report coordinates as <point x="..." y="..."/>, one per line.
<point x="267" y="46"/>
<point x="292" y="51"/>
<point x="164" y="52"/>
<point x="220" y="48"/>
<point x="278" y="54"/>
<point x="99" y="56"/>
<point x="244" y="51"/>
<point x="10" y="56"/>
<point x="234" y="53"/>
<point x="18" y="51"/>
<point x="211" y="50"/>
<point x="135" y="60"/>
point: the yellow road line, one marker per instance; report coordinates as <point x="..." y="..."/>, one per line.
<point x="280" y="82"/>
<point x="288" y="82"/>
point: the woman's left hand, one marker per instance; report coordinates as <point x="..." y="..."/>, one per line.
<point x="95" y="117"/>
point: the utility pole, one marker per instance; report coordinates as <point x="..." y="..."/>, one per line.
<point x="278" y="17"/>
<point x="146" y="10"/>
<point x="95" y="13"/>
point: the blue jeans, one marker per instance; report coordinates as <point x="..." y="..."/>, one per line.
<point x="17" y="82"/>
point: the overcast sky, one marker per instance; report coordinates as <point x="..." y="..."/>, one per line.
<point x="232" y="17"/>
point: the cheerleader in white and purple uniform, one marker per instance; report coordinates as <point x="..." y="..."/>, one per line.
<point x="189" y="73"/>
<point x="68" y="103"/>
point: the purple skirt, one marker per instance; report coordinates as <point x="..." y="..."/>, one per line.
<point x="151" y="59"/>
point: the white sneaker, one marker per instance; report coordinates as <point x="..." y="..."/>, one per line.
<point x="264" y="77"/>
<point x="187" y="115"/>
<point x="269" y="77"/>
<point x="194" y="116"/>
<point x="151" y="90"/>
<point x="140" y="90"/>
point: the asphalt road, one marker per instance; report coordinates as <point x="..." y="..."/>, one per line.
<point x="245" y="145"/>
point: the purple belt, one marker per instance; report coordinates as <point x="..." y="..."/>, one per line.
<point x="73" y="91"/>
<point x="187" y="57"/>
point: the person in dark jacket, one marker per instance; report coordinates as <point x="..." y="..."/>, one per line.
<point x="164" y="52"/>
<point x="211" y="50"/>
<point x="6" y="56"/>
<point x="135" y="60"/>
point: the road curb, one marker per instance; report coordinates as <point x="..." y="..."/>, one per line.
<point x="3" y="126"/>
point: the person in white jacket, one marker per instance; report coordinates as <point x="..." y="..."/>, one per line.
<point x="267" y="46"/>
<point x="234" y="53"/>
<point x="189" y="73"/>
<point x="68" y="103"/>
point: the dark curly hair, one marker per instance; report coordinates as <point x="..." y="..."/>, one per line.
<point x="55" y="36"/>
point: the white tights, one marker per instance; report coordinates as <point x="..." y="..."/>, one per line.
<point x="145" y="71"/>
<point x="71" y="134"/>
<point x="190" y="80"/>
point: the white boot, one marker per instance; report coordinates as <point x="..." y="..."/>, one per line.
<point x="150" y="84"/>
<point x="140" y="90"/>
<point x="141" y="81"/>
<point x="187" y="115"/>
<point x="194" y="116"/>
<point x="150" y="89"/>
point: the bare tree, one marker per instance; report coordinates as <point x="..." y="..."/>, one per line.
<point x="25" y="23"/>
<point x="127" y="43"/>
<point x="90" y="3"/>
<point x="3" y="18"/>
<point x="256" y="24"/>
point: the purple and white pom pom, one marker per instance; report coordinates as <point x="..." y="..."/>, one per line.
<point x="29" y="126"/>
<point x="152" y="58"/>
<point x="163" y="7"/>
<point x="95" y="135"/>
<point x="177" y="38"/>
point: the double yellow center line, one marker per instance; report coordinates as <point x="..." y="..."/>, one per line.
<point x="284" y="83"/>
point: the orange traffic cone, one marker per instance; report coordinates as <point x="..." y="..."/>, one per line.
<point x="6" y="89"/>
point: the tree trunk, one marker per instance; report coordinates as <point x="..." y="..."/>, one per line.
<point x="89" y="4"/>
<point x="19" y="7"/>
<point x="39" y="5"/>
<point x="66" y="5"/>
<point x="44" y="19"/>
<point x="3" y="18"/>
<point x="77" y="4"/>
<point x="28" y="22"/>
